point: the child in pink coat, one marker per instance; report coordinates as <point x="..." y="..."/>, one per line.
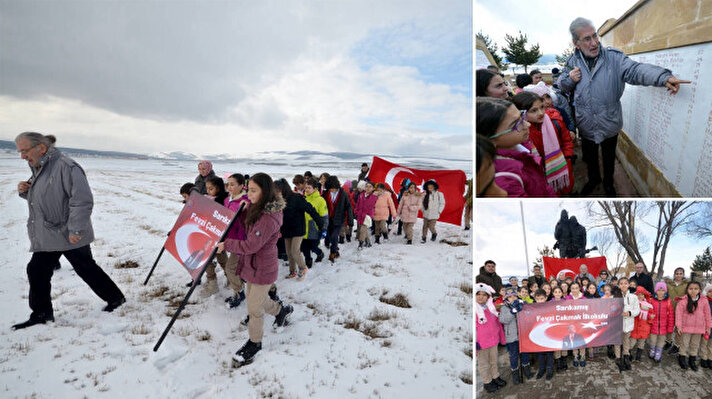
<point x="383" y="208"/>
<point x="489" y="333"/>
<point x="663" y="322"/>
<point x="692" y="321"/>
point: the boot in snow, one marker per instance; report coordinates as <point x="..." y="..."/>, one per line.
<point x="235" y="301"/>
<point x="281" y="319"/>
<point x="35" y="318"/>
<point x="378" y="239"/>
<point x="319" y="257"/>
<point x="246" y="354"/>
<point x="272" y="293"/>
<point x="434" y="237"/>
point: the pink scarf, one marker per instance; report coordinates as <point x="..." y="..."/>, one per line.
<point x="557" y="175"/>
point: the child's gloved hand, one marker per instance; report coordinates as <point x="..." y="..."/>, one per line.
<point x="323" y="234"/>
<point x="517" y="306"/>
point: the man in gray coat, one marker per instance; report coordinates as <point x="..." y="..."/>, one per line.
<point x="597" y="76"/>
<point x="60" y="203"/>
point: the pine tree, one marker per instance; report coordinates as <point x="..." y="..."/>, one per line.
<point x="492" y="48"/>
<point x="561" y="59"/>
<point x="517" y="53"/>
<point x="703" y="263"/>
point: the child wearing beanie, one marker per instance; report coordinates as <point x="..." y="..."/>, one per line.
<point x="663" y="323"/>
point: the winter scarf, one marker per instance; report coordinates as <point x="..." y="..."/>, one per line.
<point x="557" y="175"/>
<point x="208" y="167"/>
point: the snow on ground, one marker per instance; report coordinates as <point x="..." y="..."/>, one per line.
<point x="343" y="341"/>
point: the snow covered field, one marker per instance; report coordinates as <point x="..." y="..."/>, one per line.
<point x="343" y="341"/>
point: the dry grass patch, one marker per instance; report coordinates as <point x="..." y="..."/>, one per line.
<point x="454" y="243"/>
<point x="466" y="378"/>
<point x="129" y="264"/>
<point x="366" y="328"/>
<point x="204" y="336"/>
<point x="140" y="329"/>
<point x="398" y="300"/>
<point x="380" y="315"/>
<point x="466" y="287"/>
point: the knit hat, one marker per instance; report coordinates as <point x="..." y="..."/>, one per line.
<point x="510" y="292"/>
<point x="540" y="89"/>
<point x="482" y="287"/>
<point x="707" y="289"/>
<point x="361" y="185"/>
<point x="661" y="286"/>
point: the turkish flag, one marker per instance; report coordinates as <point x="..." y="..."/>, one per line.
<point x="570" y="266"/>
<point x="451" y="183"/>
<point x="563" y="325"/>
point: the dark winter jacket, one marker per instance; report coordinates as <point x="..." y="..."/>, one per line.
<point x="491" y="279"/>
<point x="644" y="280"/>
<point x="60" y="203"/>
<point x="200" y="182"/>
<point x="340" y="211"/>
<point x="258" y="263"/>
<point x="293" y="222"/>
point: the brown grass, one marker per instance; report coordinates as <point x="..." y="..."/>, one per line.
<point x="466" y="287"/>
<point x="380" y="315"/>
<point x="466" y="378"/>
<point x="129" y="264"/>
<point x="398" y="300"/>
<point x="368" y="329"/>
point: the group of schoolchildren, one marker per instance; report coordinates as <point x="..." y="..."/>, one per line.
<point x="524" y="140"/>
<point x="316" y="210"/>
<point x="681" y="323"/>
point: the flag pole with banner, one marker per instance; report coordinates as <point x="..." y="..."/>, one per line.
<point x="563" y="267"/>
<point x="201" y="225"/>
<point x="451" y="183"/>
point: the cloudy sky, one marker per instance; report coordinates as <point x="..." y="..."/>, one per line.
<point x="239" y="77"/>
<point x="543" y="21"/>
<point x="499" y="235"/>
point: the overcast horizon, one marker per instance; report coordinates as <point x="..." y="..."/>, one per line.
<point x="240" y="77"/>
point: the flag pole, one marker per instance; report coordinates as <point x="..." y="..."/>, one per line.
<point x="524" y="233"/>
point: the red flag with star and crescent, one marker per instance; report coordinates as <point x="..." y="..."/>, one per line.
<point x="569" y="267"/>
<point x="450" y="182"/>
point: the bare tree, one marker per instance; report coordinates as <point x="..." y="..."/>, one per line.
<point x="609" y="247"/>
<point x="701" y="225"/>
<point x="546" y="251"/>
<point x="622" y="217"/>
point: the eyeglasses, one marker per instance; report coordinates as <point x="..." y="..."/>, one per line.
<point x="27" y="150"/>
<point x="516" y="126"/>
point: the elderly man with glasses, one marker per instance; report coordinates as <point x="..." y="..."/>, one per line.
<point x="596" y="77"/>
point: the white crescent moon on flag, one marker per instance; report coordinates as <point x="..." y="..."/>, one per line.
<point x="538" y="336"/>
<point x="181" y="240"/>
<point x="394" y="171"/>
<point x="565" y="272"/>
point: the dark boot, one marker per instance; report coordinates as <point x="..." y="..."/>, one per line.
<point x="610" y="353"/>
<point x="619" y="363"/>
<point x="246" y="354"/>
<point x="549" y="374"/>
<point x="360" y="245"/>
<point x="272" y="293"/>
<point x="526" y="370"/>
<point x="674" y="350"/>
<point x="281" y="319"/>
<point x="638" y="354"/>
<point x="35" y="318"/>
<point x="409" y="242"/>
<point x="693" y="363"/>
<point x="516" y="379"/>
<point x="385" y="236"/>
<point x="309" y="262"/>
<point x="491" y="387"/>
<point x="341" y="240"/>
<point x="626" y="362"/>
<point x="500" y="382"/>
<point x="683" y="361"/>
<point x="434" y="237"/>
<point x="114" y="304"/>
<point x="667" y="345"/>
<point x="348" y="237"/>
<point x="378" y="239"/>
<point x="540" y="373"/>
<point x="423" y="240"/>
<point x="319" y="257"/>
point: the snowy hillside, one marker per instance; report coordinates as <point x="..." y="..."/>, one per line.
<point x="344" y="341"/>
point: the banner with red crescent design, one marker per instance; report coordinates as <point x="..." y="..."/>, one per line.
<point x="200" y="225"/>
<point x="568" y="324"/>
<point x="450" y="182"/>
<point x="565" y="267"/>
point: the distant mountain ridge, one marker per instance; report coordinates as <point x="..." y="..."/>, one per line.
<point x="9" y="146"/>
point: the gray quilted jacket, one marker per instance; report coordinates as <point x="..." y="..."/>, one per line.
<point x="60" y="203"/>
<point x="597" y="95"/>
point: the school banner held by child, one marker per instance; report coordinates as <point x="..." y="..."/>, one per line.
<point x="565" y="267"/>
<point x="450" y="182"/>
<point x="200" y="225"/>
<point x="564" y="325"/>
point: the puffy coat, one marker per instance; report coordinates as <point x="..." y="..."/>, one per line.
<point x="384" y="206"/>
<point x="664" y="321"/>
<point x="641" y="327"/>
<point x="60" y="203"/>
<point x="258" y="262"/>
<point x="564" y="138"/>
<point x="409" y="206"/>
<point x="340" y="211"/>
<point x="319" y="204"/>
<point x="490" y="333"/>
<point x="436" y="204"/>
<point x="520" y="175"/>
<point x="237" y="232"/>
<point x="293" y="222"/>
<point x="597" y="95"/>
<point x="693" y="323"/>
<point x="509" y="323"/>
<point x="632" y="305"/>
<point x="366" y="205"/>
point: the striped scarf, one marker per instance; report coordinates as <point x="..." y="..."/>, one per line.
<point x="557" y="175"/>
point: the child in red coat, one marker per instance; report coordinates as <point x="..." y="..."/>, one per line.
<point x="663" y="323"/>
<point x="642" y="325"/>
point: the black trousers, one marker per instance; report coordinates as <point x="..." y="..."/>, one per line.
<point x="332" y="237"/>
<point x="309" y="246"/>
<point x="41" y="268"/>
<point x="608" y="153"/>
